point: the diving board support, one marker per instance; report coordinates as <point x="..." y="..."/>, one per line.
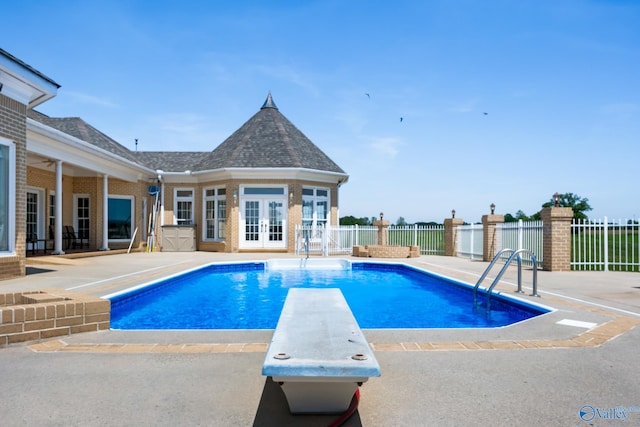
<point x="318" y="353"/>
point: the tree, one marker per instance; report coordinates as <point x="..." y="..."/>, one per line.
<point x="510" y="218"/>
<point x="578" y="204"/>
<point x="401" y="222"/>
<point x="352" y="220"/>
<point x="520" y="215"/>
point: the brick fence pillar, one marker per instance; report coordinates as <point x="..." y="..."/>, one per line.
<point x="556" y="237"/>
<point x="489" y="237"/>
<point x="383" y="231"/>
<point x="450" y="228"/>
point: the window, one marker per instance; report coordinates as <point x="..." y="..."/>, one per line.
<point x="7" y="195"/>
<point x="215" y="213"/>
<point x="315" y="207"/>
<point x="120" y="217"/>
<point x="183" y="206"/>
<point x="32" y="214"/>
<point x="52" y="209"/>
<point x="82" y="216"/>
<point x="263" y="191"/>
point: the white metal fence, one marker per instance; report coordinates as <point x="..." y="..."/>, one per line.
<point x="596" y="244"/>
<point x="606" y="245"/>
<point x="430" y="238"/>
<point x="469" y="241"/>
<point x="339" y="240"/>
<point x="520" y="235"/>
<point x="512" y="235"/>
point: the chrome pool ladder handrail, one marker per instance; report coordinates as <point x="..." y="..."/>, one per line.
<point x="515" y="254"/>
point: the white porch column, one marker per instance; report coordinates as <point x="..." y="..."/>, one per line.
<point x="105" y="213"/>
<point x="161" y="201"/>
<point x="57" y="246"/>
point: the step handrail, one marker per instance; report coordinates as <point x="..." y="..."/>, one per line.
<point x="515" y="254"/>
<point x="486" y="271"/>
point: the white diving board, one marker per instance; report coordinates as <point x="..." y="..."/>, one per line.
<point x="318" y="353"/>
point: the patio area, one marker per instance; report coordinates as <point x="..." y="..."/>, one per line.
<point x="549" y="371"/>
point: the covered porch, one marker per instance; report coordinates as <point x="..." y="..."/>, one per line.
<point x="80" y="197"/>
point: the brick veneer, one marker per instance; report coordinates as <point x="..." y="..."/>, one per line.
<point x="489" y="235"/>
<point x="556" y="238"/>
<point x="386" y="251"/>
<point x="13" y="126"/>
<point x="42" y="314"/>
<point x="450" y="228"/>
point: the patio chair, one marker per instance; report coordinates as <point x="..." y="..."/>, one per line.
<point x="73" y="239"/>
<point x="33" y="241"/>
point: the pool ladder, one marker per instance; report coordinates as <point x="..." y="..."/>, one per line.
<point x="516" y="255"/>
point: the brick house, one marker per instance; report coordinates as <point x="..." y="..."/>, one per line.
<point x="248" y="194"/>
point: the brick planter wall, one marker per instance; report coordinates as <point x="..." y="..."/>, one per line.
<point x="380" y="251"/>
<point x="35" y="315"/>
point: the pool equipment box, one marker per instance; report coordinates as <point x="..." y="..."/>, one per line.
<point x="318" y="353"/>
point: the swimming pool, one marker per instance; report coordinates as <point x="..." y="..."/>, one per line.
<point x="251" y="296"/>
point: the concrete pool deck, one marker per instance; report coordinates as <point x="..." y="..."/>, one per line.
<point x="582" y="357"/>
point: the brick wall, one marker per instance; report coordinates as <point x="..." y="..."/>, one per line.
<point x="450" y="227"/>
<point x="556" y="237"/>
<point x="13" y="126"/>
<point x="34" y="315"/>
<point x="386" y="251"/>
<point x="489" y="236"/>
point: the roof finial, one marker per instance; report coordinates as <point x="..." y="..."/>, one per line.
<point x="269" y="102"/>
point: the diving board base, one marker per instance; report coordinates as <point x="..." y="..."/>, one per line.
<point x="319" y="395"/>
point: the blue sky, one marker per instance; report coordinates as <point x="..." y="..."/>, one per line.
<point x="559" y="82"/>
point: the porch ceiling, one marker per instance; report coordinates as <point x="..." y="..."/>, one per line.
<point x="49" y="164"/>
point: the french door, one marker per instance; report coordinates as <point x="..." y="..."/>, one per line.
<point x="35" y="218"/>
<point x="263" y="223"/>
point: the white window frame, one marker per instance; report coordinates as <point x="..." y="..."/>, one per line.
<point x="7" y="215"/>
<point x="315" y="200"/>
<point x="51" y="208"/>
<point x="76" y="218"/>
<point x="177" y="199"/>
<point x="132" y="218"/>
<point x="40" y="231"/>
<point x="219" y="223"/>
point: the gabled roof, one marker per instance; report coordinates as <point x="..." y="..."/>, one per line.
<point x="268" y="140"/>
<point x="171" y="161"/>
<point x="82" y="130"/>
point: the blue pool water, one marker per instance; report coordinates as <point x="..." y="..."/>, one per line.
<point x="247" y="296"/>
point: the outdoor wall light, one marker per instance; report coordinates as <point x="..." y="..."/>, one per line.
<point x="556" y="200"/>
<point x="291" y="198"/>
<point x="453" y="213"/>
<point x="235" y="197"/>
<point x="493" y="208"/>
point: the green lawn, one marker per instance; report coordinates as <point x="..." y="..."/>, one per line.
<point x="623" y="250"/>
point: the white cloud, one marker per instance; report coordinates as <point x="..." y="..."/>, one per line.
<point x="464" y="106"/>
<point x="84" y="98"/>
<point x="387" y="146"/>
<point x="291" y="75"/>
